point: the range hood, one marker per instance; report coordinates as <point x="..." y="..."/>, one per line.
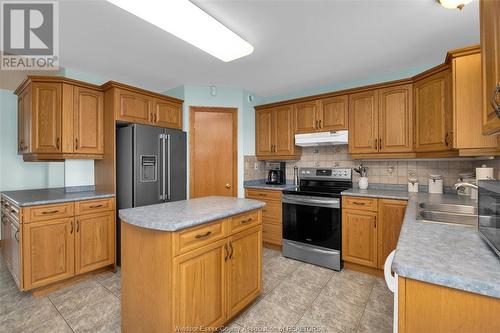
<point x="321" y="139"/>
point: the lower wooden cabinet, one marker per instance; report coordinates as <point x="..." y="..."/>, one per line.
<point x="49" y="252"/>
<point x="370" y="229"/>
<point x="95" y="241"/>
<point x="41" y="249"/>
<point x="272" y="227"/>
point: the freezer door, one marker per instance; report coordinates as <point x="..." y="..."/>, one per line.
<point x="175" y="165"/>
<point x="147" y="165"/>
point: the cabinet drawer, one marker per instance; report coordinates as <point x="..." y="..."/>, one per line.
<point x="272" y="211"/>
<point x="359" y="203"/>
<point x="264" y="194"/>
<point x="196" y="237"/>
<point x="271" y="233"/>
<point x="244" y="221"/>
<point x="49" y="212"/>
<point x="94" y="206"/>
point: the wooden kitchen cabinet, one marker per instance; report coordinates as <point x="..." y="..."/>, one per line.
<point x="59" y="118"/>
<point x="49" y="252"/>
<point x="490" y="59"/>
<point x="327" y="114"/>
<point x="94" y="241"/>
<point x="133" y="107"/>
<point x="167" y="114"/>
<point x="363" y="122"/>
<point x="272" y="226"/>
<point x="274" y="137"/>
<point x="306" y="116"/>
<point x="370" y="231"/>
<point x="433" y="114"/>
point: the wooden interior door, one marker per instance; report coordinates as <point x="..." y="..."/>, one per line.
<point x="95" y="241"/>
<point x="305" y="115"/>
<point x="283" y="133"/>
<point x="363" y="122"/>
<point x="134" y="107"/>
<point x="167" y="114"/>
<point x="359" y="237"/>
<point x="199" y="287"/>
<point x="433" y="113"/>
<point x="244" y="269"/>
<point x="395" y="119"/>
<point x="46" y="118"/>
<point x="213" y="151"/>
<point x="390" y="214"/>
<point x="48" y="250"/>
<point x="333" y="113"/>
<point x="264" y="132"/>
<point x="88" y="115"/>
<point x="490" y="59"/>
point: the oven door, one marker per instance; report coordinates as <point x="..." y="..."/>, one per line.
<point x="312" y="220"/>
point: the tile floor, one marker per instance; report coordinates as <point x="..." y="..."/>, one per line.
<point x="294" y="294"/>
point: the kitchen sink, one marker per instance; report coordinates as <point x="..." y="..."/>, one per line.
<point x="447" y="213"/>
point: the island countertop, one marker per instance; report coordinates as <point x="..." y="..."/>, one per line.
<point x="174" y="216"/>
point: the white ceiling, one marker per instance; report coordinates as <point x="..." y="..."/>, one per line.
<point x="298" y="44"/>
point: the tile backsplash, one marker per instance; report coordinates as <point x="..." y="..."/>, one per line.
<point x="379" y="172"/>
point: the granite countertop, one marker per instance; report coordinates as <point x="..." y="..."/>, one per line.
<point x="25" y="198"/>
<point x="261" y="185"/>
<point x="173" y="216"/>
<point x="444" y="254"/>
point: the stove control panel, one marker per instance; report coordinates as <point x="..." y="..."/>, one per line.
<point x="325" y="173"/>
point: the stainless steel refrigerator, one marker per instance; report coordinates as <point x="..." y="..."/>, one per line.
<point x="151" y="167"/>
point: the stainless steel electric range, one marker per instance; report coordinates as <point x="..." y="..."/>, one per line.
<point x="312" y="219"/>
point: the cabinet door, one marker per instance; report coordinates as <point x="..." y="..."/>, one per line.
<point x="49" y="253"/>
<point x="46" y="118"/>
<point x="166" y="114"/>
<point x="284" y="137"/>
<point x="23" y="121"/>
<point x="88" y="114"/>
<point x="433" y="113"/>
<point x="95" y="241"/>
<point x="134" y="107"/>
<point x="363" y="122"/>
<point x="199" y="287"/>
<point x="490" y="53"/>
<point x="390" y="214"/>
<point x="15" y="241"/>
<point x="359" y="237"/>
<point x="333" y="113"/>
<point x="264" y="129"/>
<point x="395" y="119"/>
<point x="306" y="118"/>
<point x="244" y="269"/>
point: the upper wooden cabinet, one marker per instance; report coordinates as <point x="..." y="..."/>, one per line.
<point x="328" y="114"/>
<point x="59" y="118"/>
<point x="134" y="105"/>
<point x="490" y="48"/>
<point x="433" y="114"/>
<point x="381" y="121"/>
<point x="274" y="137"/>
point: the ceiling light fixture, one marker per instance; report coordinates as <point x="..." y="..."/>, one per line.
<point x="454" y="4"/>
<point x="188" y="22"/>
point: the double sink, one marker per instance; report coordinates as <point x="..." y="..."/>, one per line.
<point x="448" y="213"/>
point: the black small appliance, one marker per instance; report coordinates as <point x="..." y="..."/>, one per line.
<point x="277" y="175"/>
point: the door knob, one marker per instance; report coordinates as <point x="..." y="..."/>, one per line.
<point x="228" y="185"/>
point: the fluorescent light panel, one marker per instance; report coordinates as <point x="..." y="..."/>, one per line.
<point x="188" y="22"/>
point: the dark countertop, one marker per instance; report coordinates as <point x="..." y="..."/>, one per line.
<point x="25" y="198"/>
<point x="261" y="185"/>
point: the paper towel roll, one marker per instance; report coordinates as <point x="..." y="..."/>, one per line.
<point x="484" y="173"/>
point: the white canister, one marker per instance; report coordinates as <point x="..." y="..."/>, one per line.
<point x="412" y="184"/>
<point x="436" y="184"/>
<point x="484" y="173"/>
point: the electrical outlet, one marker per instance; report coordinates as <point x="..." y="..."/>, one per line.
<point x="256" y="166"/>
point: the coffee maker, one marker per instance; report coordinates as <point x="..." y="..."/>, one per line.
<point x="277" y="175"/>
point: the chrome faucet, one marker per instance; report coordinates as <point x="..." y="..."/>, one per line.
<point x="462" y="185"/>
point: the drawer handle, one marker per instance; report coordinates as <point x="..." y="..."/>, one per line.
<point x="262" y="194"/>
<point x="247" y="220"/>
<point x="13" y="211"/>
<point x="358" y="203"/>
<point x="206" y="234"/>
<point x="96" y="206"/>
<point x="50" y="212"/>
<point x="231" y="252"/>
<point x="16" y="236"/>
<point x="227" y="252"/>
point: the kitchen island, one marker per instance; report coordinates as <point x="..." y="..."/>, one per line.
<point x="189" y="265"/>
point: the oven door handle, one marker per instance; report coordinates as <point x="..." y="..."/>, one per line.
<point x="332" y="203"/>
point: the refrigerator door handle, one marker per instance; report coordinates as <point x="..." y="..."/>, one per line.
<point x="168" y="195"/>
<point x="163" y="154"/>
<point x="160" y="188"/>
